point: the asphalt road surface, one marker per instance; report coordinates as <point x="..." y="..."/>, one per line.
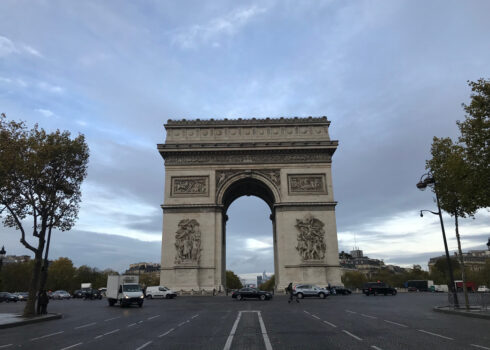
<point x="404" y="321"/>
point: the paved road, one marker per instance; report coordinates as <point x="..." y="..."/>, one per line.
<point x="405" y="321"/>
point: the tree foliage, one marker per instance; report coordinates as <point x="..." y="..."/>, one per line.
<point x="40" y="178"/>
<point x="269" y="284"/>
<point x="232" y="280"/>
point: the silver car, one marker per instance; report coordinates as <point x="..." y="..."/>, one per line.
<point x="309" y="290"/>
<point x="60" y="294"/>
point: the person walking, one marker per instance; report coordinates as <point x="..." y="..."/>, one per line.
<point x="43" y="302"/>
<point x="290" y="290"/>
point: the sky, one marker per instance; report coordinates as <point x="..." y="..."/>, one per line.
<point x="389" y="75"/>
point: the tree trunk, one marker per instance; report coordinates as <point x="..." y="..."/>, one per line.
<point x="30" y="308"/>
<point x="461" y="262"/>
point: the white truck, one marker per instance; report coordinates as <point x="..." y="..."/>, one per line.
<point x="124" y="290"/>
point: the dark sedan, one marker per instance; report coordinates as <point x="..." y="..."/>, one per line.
<point x="340" y="290"/>
<point x="251" y="293"/>
<point x="7" y="297"/>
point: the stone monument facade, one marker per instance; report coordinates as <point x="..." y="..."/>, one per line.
<point x="210" y="163"/>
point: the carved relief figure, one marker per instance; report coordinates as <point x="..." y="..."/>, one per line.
<point x="306" y="183"/>
<point x="192" y="186"/>
<point x="311" y="238"/>
<point x="188" y="242"/>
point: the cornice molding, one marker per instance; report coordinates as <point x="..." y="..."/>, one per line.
<point x="246" y="121"/>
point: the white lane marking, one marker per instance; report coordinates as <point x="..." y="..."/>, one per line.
<point x="144" y="345"/>
<point x="132" y="324"/>
<point x="435" y="334"/>
<point x="85" y="325"/>
<point x="167" y="332"/>
<point x="114" y="318"/>
<point x="330" y="324"/>
<point x="195" y="316"/>
<point x="5" y="346"/>
<point x="352" y="312"/>
<point x="306" y="312"/>
<point x="151" y="318"/>
<point x="352" y="335"/>
<point x="47" y="335"/>
<point x="183" y="323"/>
<point x="232" y="332"/>
<point x="72" y="346"/>
<point x="480" y="347"/>
<point x="315" y="316"/>
<point x="398" y="324"/>
<point x="100" y="336"/>
<point x="375" y="347"/>
<point x="368" y="316"/>
<point x="267" y="342"/>
<point x="140" y="322"/>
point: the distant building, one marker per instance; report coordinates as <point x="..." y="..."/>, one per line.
<point x="12" y="259"/>
<point x="474" y="259"/>
<point x="262" y="279"/>
<point x="357" y="261"/>
<point x="143" y="267"/>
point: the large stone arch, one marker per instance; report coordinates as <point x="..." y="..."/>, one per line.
<point x="209" y="164"/>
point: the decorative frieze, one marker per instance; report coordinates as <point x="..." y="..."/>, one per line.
<point x="188" y="242"/>
<point x="190" y="186"/>
<point x="311" y="238"/>
<point x="204" y="158"/>
<point x="307" y="184"/>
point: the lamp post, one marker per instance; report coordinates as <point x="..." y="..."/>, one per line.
<point x="426" y="180"/>
<point x="2" y="255"/>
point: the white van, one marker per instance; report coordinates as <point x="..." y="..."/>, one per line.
<point x="159" y="292"/>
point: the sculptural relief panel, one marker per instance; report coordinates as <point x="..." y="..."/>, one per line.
<point x="307" y="184"/>
<point x="190" y="186"/>
<point x="311" y="239"/>
<point x="188" y="242"/>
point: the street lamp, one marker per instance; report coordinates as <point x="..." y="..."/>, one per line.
<point x="426" y="180"/>
<point x="2" y="255"/>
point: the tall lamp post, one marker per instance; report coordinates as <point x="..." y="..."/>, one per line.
<point x="2" y="255"/>
<point x="426" y="180"/>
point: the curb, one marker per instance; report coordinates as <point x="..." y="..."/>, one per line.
<point x="461" y="313"/>
<point x="25" y="321"/>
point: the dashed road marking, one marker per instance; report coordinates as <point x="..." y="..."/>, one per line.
<point x="315" y="316"/>
<point x="151" y="318"/>
<point x="113" y="318"/>
<point x="435" y="334"/>
<point x="144" y="345"/>
<point x="5" y="346"/>
<point x="183" y="323"/>
<point x="72" y="346"/>
<point x="330" y="324"/>
<point x="167" y="332"/>
<point x="480" y="347"/>
<point x="368" y="316"/>
<point x="351" y="312"/>
<point x="352" y="335"/>
<point x="111" y="332"/>
<point x="85" y="325"/>
<point x="47" y="335"/>
<point x="375" y="347"/>
<point x="306" y="312"/>
<point x="132" y="324"/>
<point x="195" y="316"/>
<point x="398" y="324"/>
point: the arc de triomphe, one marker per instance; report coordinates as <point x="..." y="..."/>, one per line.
<point x="210" y="163"/>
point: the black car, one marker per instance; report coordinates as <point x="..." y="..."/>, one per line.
<point x="91" y="293"/>
<point x="340" y="290"/>
<point x="251" y="293"/>
<point x="7" y="297"/>
<point x="78" y="293"/>
<point x="375" y="288"/>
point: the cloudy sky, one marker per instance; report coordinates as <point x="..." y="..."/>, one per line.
<point x="389" y="75"/>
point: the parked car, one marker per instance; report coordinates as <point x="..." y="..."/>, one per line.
<point x="251" y="293"/>
<point x="7" y="297"/>
<point x="60" y="294"/>
<point x="375" y="288"/>
<point x="91" y="293"/>
<point x="159" y="292"/>
<point x="309" y="290"/>
<point x="340" y="290"/>
<point x="78" y="293"/>
<point x="483" y="289"/>
<point x="103" y="291"/>
<point x="21" y="296"/>
<point x="412" y="289"/>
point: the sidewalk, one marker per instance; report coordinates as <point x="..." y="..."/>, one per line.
<point x="472" y="312"/>
<point x="13" y="320"/>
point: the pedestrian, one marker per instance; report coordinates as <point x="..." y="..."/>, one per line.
<point x="290" y="290"/>
<point x="214" y="292"/>
<point x="43" y="302"/>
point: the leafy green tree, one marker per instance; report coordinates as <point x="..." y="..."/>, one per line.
<point x="268" y="285"/>
<point x="40" y="178"/>
<point x="15" y="276"/>
<point x="475" y="136"/>
<point x="149" y="279"/>
<point x="354" y="279"/>
<point x="232" y="280"/>
<point x="61" y="275"/>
